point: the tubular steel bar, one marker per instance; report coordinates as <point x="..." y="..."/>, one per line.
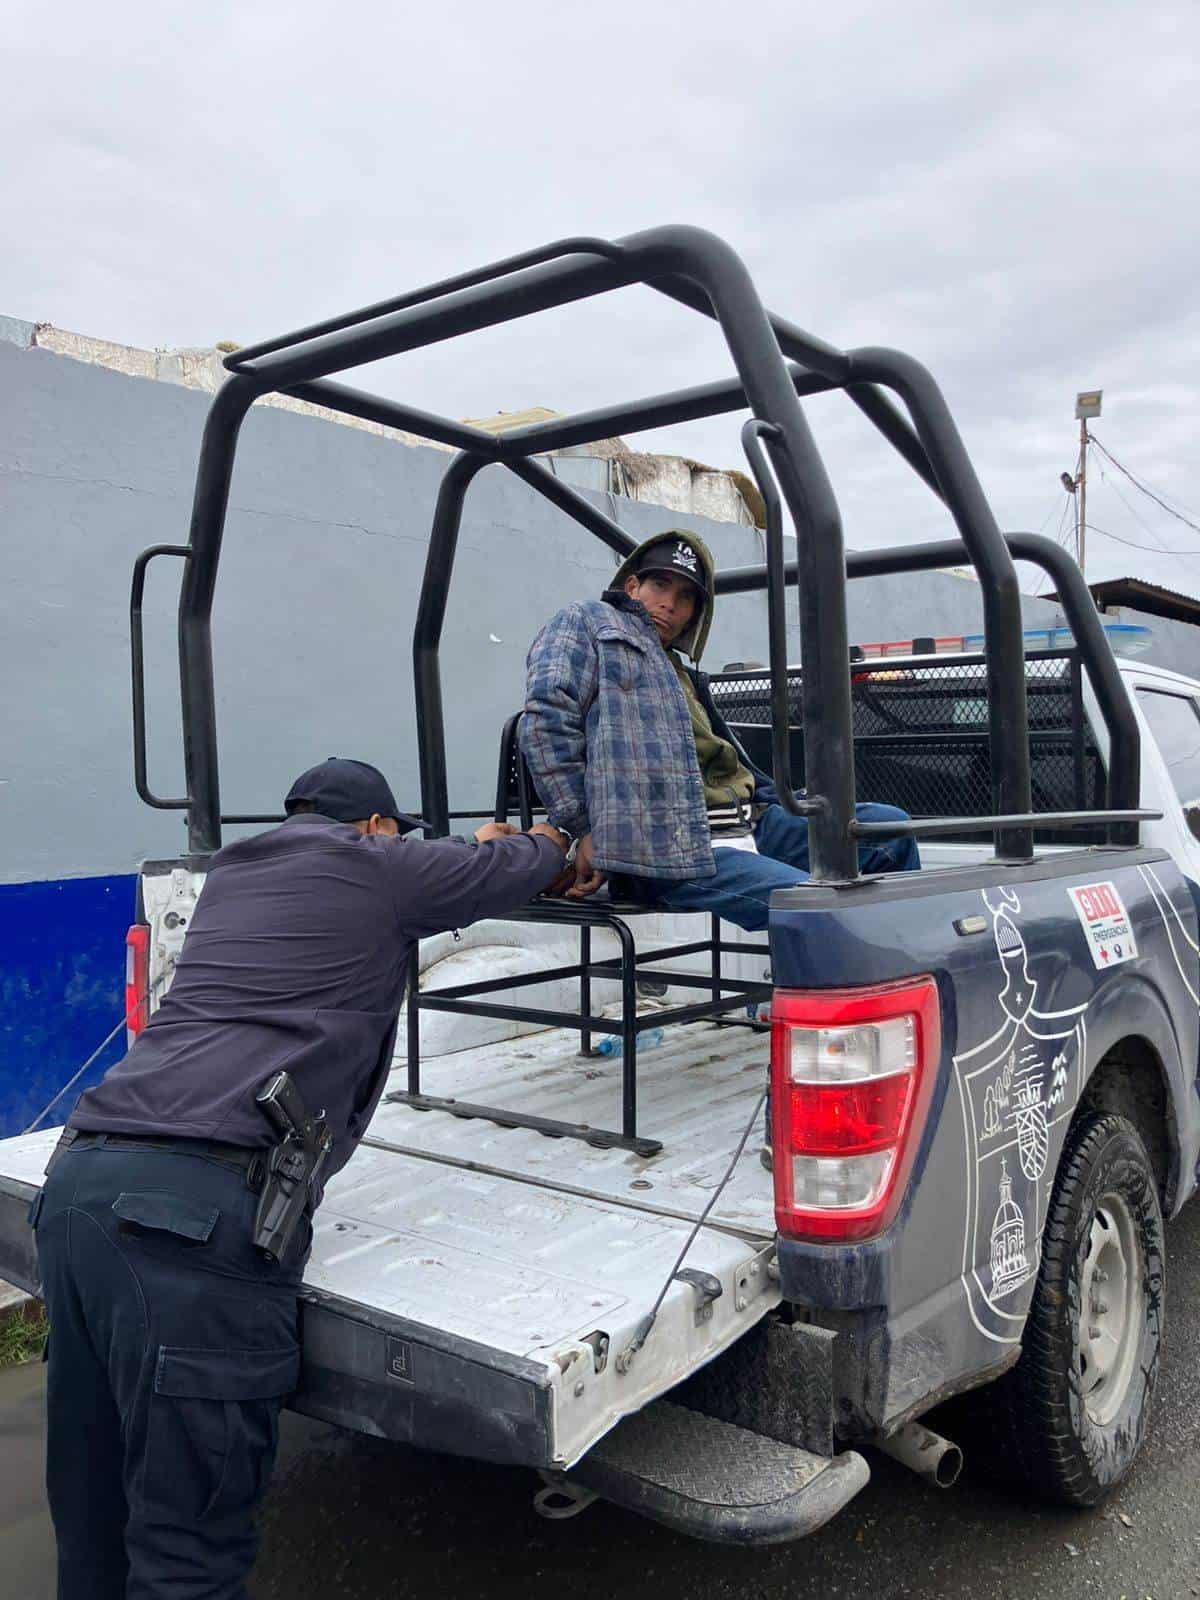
<point x="878" y="408"/>
<point x="433" y="291"/>
<point x="540" y="1014"/>
<point x="209" y="505"/>
<point x="600" y="1138"/>
<point x="781" y="754"/>
<point x="1002" y="623"/>
<point x="657" y="411"/>
<point x="928" y="827"/>
<point x="412" y="1018"/>
<point x="467" y="310"/>
<point x="137" y="655"/>
<point x="701" y="259"/>
<point x="820" y="360"/>
<point x="427" y="635"/>
<point x="585" y="986"/>
<point x="574" y="504"/>
<point x="357" y="403"/>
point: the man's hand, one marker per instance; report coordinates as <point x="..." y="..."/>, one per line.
<point x="493" y="830"/>
<point x="588" y="877"/>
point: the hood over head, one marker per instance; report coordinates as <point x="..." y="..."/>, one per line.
<point x="684" y="546"/>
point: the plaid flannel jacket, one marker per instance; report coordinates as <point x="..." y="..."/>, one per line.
<point x="608" y="739"/>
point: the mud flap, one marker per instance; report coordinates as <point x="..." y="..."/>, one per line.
<point x="715" y="1481"/>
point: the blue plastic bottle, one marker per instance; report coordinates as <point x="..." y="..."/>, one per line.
<point x="610" y="1045"/>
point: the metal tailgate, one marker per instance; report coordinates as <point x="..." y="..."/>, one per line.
<point x="477" y="1312"/>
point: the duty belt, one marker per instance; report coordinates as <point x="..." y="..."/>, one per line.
<point x="242" y="1157"/>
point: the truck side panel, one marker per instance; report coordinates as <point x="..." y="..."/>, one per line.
<point x="1036" y="985"/>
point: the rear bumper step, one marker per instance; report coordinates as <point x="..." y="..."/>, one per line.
<point x="715" y="1481"/>
<point x="18" y="1252"/>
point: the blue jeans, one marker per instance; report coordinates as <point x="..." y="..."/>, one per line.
<point x="741" y="888"/>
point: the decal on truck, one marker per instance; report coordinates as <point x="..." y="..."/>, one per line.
<point x="1019" y="1086"/>
<point x="1105" y="922"/>
<point x="1015" y="1089"/>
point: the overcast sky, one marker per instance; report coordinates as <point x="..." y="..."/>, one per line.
<point x="1012" y="199"/>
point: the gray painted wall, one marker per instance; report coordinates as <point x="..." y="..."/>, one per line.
<point x="1173" y="644"/>
<point x="324" y="547"/>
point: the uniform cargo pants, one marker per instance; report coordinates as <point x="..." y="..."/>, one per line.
<point x="172" y="1347"/>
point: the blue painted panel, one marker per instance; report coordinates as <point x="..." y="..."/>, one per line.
<point x="62" y="976"/>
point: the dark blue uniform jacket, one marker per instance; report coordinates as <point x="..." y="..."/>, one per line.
<point x="296" y="959"/>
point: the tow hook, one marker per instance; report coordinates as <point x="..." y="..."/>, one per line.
<point x="707" y="1287"/>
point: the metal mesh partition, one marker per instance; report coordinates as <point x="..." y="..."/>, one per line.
<point x="921" y="734"/>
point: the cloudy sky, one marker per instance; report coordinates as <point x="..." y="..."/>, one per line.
<point x="1011" y="198"/>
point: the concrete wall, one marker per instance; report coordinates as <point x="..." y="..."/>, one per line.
<point x="1172" y="644"/>
<point x="324" y="548"/>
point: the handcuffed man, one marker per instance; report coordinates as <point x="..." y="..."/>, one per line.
<point x="632" y="758"/>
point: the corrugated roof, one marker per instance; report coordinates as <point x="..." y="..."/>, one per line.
<point x="503" y="421"/>
<point x="1151" y="598"/>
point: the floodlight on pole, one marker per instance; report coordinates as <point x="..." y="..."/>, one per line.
<point x="1087" y="404"/>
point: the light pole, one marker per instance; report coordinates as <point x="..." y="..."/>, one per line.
<point x="1087" y="405"/>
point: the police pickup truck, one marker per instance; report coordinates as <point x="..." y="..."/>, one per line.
<point x="983" y="1097"/>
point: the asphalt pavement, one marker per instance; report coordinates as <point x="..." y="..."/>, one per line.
<point x="352" y="1518"/>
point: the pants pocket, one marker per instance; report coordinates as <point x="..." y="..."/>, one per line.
<point x="214" y="1427"/>
<point x="165" y="1211"/>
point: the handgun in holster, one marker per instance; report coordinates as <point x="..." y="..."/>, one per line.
<point x="293" y="1165"/>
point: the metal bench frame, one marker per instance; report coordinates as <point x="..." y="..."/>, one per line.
<point x="514" y="791"/>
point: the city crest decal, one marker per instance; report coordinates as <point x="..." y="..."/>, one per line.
<point x="1016" y="1089"/>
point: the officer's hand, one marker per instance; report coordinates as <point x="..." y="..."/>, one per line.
<point x="566" y="877"/>
<point x="493" y="830"/>
<point x="588" y="877"/>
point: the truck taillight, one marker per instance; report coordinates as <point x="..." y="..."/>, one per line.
<point x="852" y="1071"/>
<point x="137" y="980"/>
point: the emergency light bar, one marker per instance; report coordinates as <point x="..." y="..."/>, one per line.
<point x="1126" y="638"/>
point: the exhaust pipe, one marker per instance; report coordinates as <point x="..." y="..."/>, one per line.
<point x="924" y="1452"/>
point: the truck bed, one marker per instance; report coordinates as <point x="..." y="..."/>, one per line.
<point x="459" y="1270"/>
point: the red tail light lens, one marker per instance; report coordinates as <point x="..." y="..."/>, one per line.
<point x="137" y="980"/>
<point x="852" y="1071"/>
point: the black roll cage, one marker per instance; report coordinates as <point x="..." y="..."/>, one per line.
<point x="776" y="364"/>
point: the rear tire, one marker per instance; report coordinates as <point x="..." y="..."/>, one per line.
<point x="1069" y="1419"/>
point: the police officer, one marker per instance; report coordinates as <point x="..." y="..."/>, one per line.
<point x="174" y="1341"/>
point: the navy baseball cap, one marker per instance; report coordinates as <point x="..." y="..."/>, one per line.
<point x="348" y="791"/>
